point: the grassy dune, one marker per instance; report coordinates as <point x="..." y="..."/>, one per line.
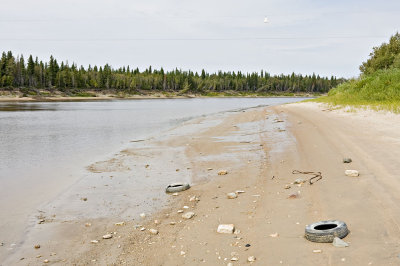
<point x="379" y="91"/>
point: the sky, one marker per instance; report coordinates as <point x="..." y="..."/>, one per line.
<point x="302" y="36"/>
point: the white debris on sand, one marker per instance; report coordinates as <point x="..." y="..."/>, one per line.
<point x="353" y="173"/>
<point x="226" y="228"/>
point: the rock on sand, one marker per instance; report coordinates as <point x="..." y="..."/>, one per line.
<point x="188" y="215"/>
<point x="353" y="173"/>
<point x="226" y="228"/>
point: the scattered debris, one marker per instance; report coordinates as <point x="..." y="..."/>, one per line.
<point x="326" y="231"/>
<point x="107" y="236"/>
<point x="183" y="253"/>
<point x="146" y="166"/>
<point x="41" y="221"/>
<point x="37" y="246"/>
<point x="231" y="195"/>
<point x="153" y="231"/>
<point x="234" y="259"/>
<point x="180" y="211"/>
<point x="317" y="251"/>
<point x="347" y="160"/>
<point x="194" y="198"/>
<point x="251" y="259"/>
<point x="337" y="242"/>
<point x="247" y="245"/>
<point x="172" y="223"/>
<point x="226" y="228"/>
<point x="299" y="181"/>
<point x="88" y="224"/>
<point x="177" y="187"/>
<point x="188" y="215"/>
<point x="142" y="215"/>
<point x="156" y="222"/>
<point x="293" y="196"/>
<point x="353" y="173"/>
<point x="175" y="194"/>
<point x="317" y="175"/>
<point x="239" y="191"/>
<point x="46" y="261"/>
<point x="139" y="140"/>
<point x="287" y="186"/>
<point x="222" y="172"/>
<point x="274" y="235"/>
<point x="120" y="223"/>
<point x="209" y="169"/>
<point x="94" y="241"/>
<point x="84" y="199"/>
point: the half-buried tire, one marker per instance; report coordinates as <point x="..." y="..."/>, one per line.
<point x="326" y="231"/>
<point x="177" y="187"/>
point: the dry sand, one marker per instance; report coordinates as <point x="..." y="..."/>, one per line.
<point x="259" y="152"/>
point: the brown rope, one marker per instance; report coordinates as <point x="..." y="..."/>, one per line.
<point x="317" y="175"/>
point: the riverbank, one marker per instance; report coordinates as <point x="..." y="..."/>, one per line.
<point x="378" y="91"/>
<point x="35" y="95"/>
<point x="259" y="148"/>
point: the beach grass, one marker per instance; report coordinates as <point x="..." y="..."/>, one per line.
<point x="378" y="91"/>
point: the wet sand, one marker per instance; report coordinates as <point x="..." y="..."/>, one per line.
<point x="259" y="152"/>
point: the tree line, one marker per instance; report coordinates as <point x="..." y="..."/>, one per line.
<point x="15" y="72"/>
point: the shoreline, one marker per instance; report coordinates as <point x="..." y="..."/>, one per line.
<point x="6" y="96"/>
<point x="56" y="223"/>
<point x="259" y="152"/>
<point x="65" y="202"/>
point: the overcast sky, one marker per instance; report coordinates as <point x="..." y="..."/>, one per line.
<point x="303" y="36"/>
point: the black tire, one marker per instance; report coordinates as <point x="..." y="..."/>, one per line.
<point x="177" y="187"/>
<point x="326" y="231"/>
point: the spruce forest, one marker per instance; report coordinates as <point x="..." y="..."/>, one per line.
<point x="33" y="74"/>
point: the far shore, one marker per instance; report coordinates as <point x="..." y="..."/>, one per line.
<point x="47" y="96"/>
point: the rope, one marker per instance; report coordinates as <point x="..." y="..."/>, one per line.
<point x="317" y="175"/>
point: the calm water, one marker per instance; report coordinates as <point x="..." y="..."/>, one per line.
<point x="45" y="146"/>
<point x="38" y="136"/>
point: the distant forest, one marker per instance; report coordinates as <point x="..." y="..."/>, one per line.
<point x="16" y="73"/>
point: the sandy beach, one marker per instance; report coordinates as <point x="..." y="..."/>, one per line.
<point x="259" y="148"/>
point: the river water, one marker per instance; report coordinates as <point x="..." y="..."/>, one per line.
<point x="45" y="146"/>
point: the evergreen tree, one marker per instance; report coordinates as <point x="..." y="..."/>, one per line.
<point x="30" y="70"/>
<point x="50" y="75"/>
